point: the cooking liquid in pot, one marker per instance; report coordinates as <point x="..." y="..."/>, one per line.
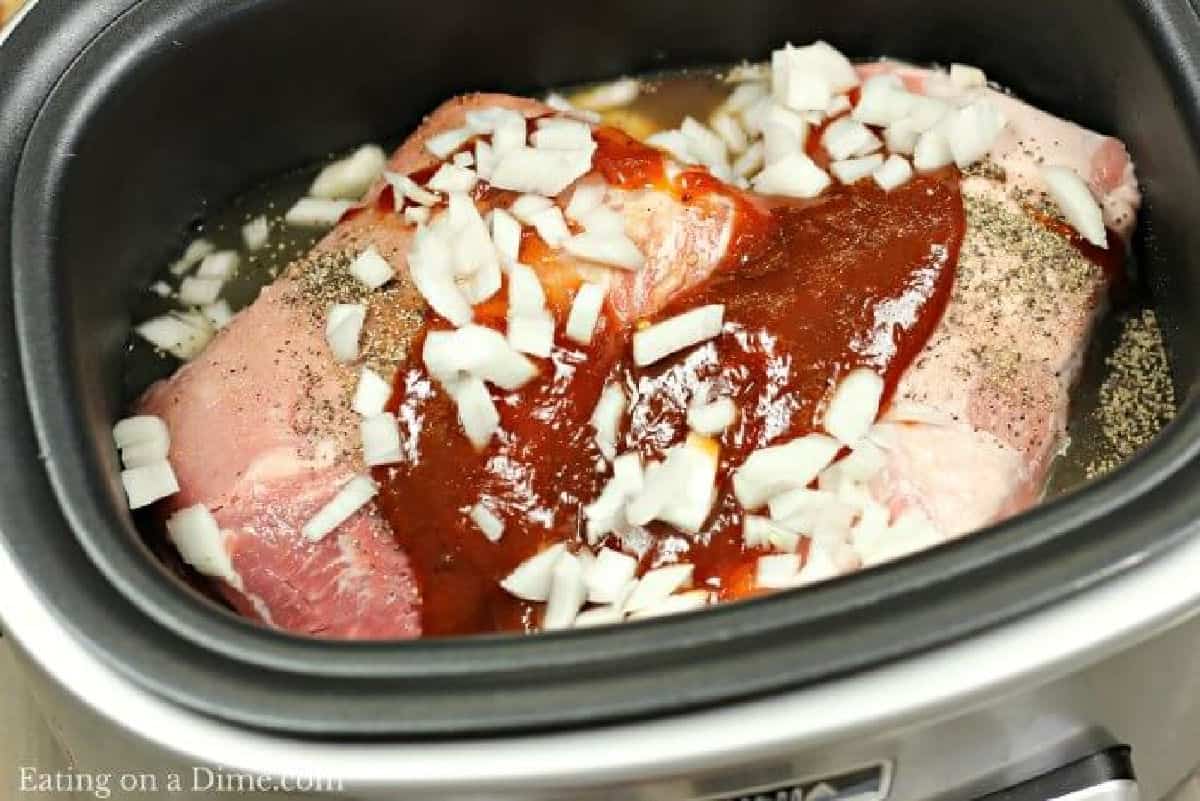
<point x="1126" y="372"/>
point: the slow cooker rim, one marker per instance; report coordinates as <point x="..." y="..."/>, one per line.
<point x="46" y="382"/>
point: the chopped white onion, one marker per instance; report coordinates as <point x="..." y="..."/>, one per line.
<point x="507" y="137"/>
<point x="531" y="580"/>
<point x="478" y="350"/>
<point x="139" y="430"/>
<point x="463" y="159"/>
<point x="452" y="178"/>
<point x="542" y="172"/>
<point x="763" y="532"/>
<point x="675" y="604"/>
<point x="350" y="177"/>
<point x="491" y="526"/>
<point x="744" y="96"/>
<point x="556" y="133"/>
<point x="911" y="532"/>
<point x="220" y="265"/>
<point x="217" y="313"/>
<point x="806" y="77"/>
<point x="526" y="207"/>
<point x="932" y="150"/>
<point x="587" y="196"/>
<point x="964" y="76"/>
<point x="618" y="93"/>
<point x="343" y="327"/>
<point x="706" y="145"/>
<point x="883" y="100"/>
<point x="532" y="334"/>
<point x="195" y="291"/>
<point x="180" y="334"/>
<point x="794" y="176"/>
<point x="610" y="249"/>
<point x="506" y="236"/>
<point x="430" y="262"/>
<point x="599" y="616"/>
<point x="380" y="439"/>
<point x="799" y="507"/>
<point x="473" y="253"/>
<point x="677" y="333"/>
<point x="674" y="143"/>
<point x="445" y="143"/>
<point x="754" y="116"/>
<point x="770" y="471"/>
<point x="1075" y="201"/>
<point x="551" y="227"/>
<point x="901" y="136"/>
<point x="818" y="566"/>
<point x="730" y="130"/>
<point x="784" y="133"/>
<point x="372" y="393"/>
<point x="854" y="405"/>
<point x="353" y="495"/>
<point x="195" y="252"/>
<point x="607" y="513"/>
<point x="585" y="313"/>
<point x="925" y="112"/>
<point x="256" y="233"/>
<point x="838" y="104"/>
<point x="417" y="215"/>
<point x="525" y="293"/>
<point x="776" y="571"/>
<point x="749" y="162"/>
<point x="850" y="170"/>
<point x="476" y="411"/>
<point x="148" y="483"/>
<point x="606" y="418"/>
<point x="312" y="212"/>
<point x="846" y="137"/>
<point x="609" y="575"/>
<point x="406" y="187"/>
<point x="892" y="173"/>
<point x="559" y="103"/>
<point x="711" y="418"/>
<point x="196" y="535"/>
<point x="973" y="131"/>
<point x="567" y="593"/>
<point x="656" y="585"/>
<point x="485" y="120"/>
<point x="371" y="269"/>
<point x="485" y="159"/>
<point x="680" y="491"/>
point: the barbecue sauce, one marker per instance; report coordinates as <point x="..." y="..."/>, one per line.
<point x="811" y="289"/>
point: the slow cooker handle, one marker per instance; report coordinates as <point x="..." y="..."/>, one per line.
<point x="1104" y="776"/>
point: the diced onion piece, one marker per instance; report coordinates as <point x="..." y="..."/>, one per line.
<point x="343" y="327"/>
<point x="1075" y="201"/>
<point x="473" y="253"/>
<point x="911" y="532"/>
<point x="883" y="100"/>
<point x="463" y="159"/>
<point x="196" y="535"/>
<point x="220" y="265"/>
<point x="846" y="137"/>
<point x="195" y="291"/>
<point x="901" y="136"/>
<point x="656" y="585"/>
<point x="476" y="411"/>
<point x="531" y="580"/>
<point x="567" y="593"/>
<point x="372" y="393"/>
<point x="712" y="418"/>
<point x="925" y="112"/>
<point x="506" y="236"/>
<point x="417" y="215"/>
<point x="674" y="143"/>
<point x="452" y="178"/>
<point x="195" y="252"/>
<point x="608" y="575"/>
<point x="754" y="116"/>
<point x="872" y="525"/>
<point x="404" y="186"/>
<point x="706" y="145"/>
<point x="806" y="77"/>
<point x="932" y="150"/>
<point x="770" y="471"/>
<point x="838" y="104"/>
<point x="256" y="233"/>
<point x="607" y="512"/>
<point x="749" y="162"/>
<point x="850" y="170"/>
<point x="688" y="601"/>
<point x="681" y="490"/>
<point x="371" y="269"/>
<point x="588" y="195"/>
<point x="525" y="293"/>
<point x="526" y="207"/>
<point x="806" y="91"/>
<point x="763" y="532"/>
<point x="606" y="418"/>
<point x="854" y="405"/>
<point x="800" y="506"/>
<point x="532" y="334"/>
<point x="784" y="133"/>
<point x="603" y="220"/>
<point x="508" y="136"/>
<point x="556" y="133"/>
<point x="559" y="103"/>
<point x="585" y="313"/>
<point x="776" y="571"/>
<point x="541" y="172"/>
<point x="217" y="313"/>
<point x="149" y="483"/>
<point x="430" y="262"/>
<point x="353" y="495"/>
<point x="794" y="176"/>
<point x="181" y="335"/>
<point x="610" y="249"/>
<point x="485" y="159"/>
<point x="677" y="333"/>
<point x="485" y="120"/>
<point x="141" y="429"/>
<point x="551" y="227"/>
<point x="818" y="566"/>
<point x="350" y="177"/>
<point x="478" y="350"/>
<point x="744" y="96"/>
<point x="730" y="130"/>
<point x="864" y="462"/>
<point x="380" y="439"/>
<point x="608" y="95"/>
<point x="964" y="76"/>
<point x="311" y="212"/>
<point x="483" y="517"/>
<point x="445" y="143"/>
<point x="599" y="616"/>
<point x="973" y="131"/>
<point x="892" y="173"/>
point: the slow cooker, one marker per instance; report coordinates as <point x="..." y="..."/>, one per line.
<point x="1055" y="655"/>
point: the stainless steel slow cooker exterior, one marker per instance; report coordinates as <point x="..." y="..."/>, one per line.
<point x="952" y="675"/>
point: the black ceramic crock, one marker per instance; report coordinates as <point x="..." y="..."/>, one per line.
<point x="123" y="121"/>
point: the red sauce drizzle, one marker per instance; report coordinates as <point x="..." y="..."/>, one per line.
<point x="811" y="290"/>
